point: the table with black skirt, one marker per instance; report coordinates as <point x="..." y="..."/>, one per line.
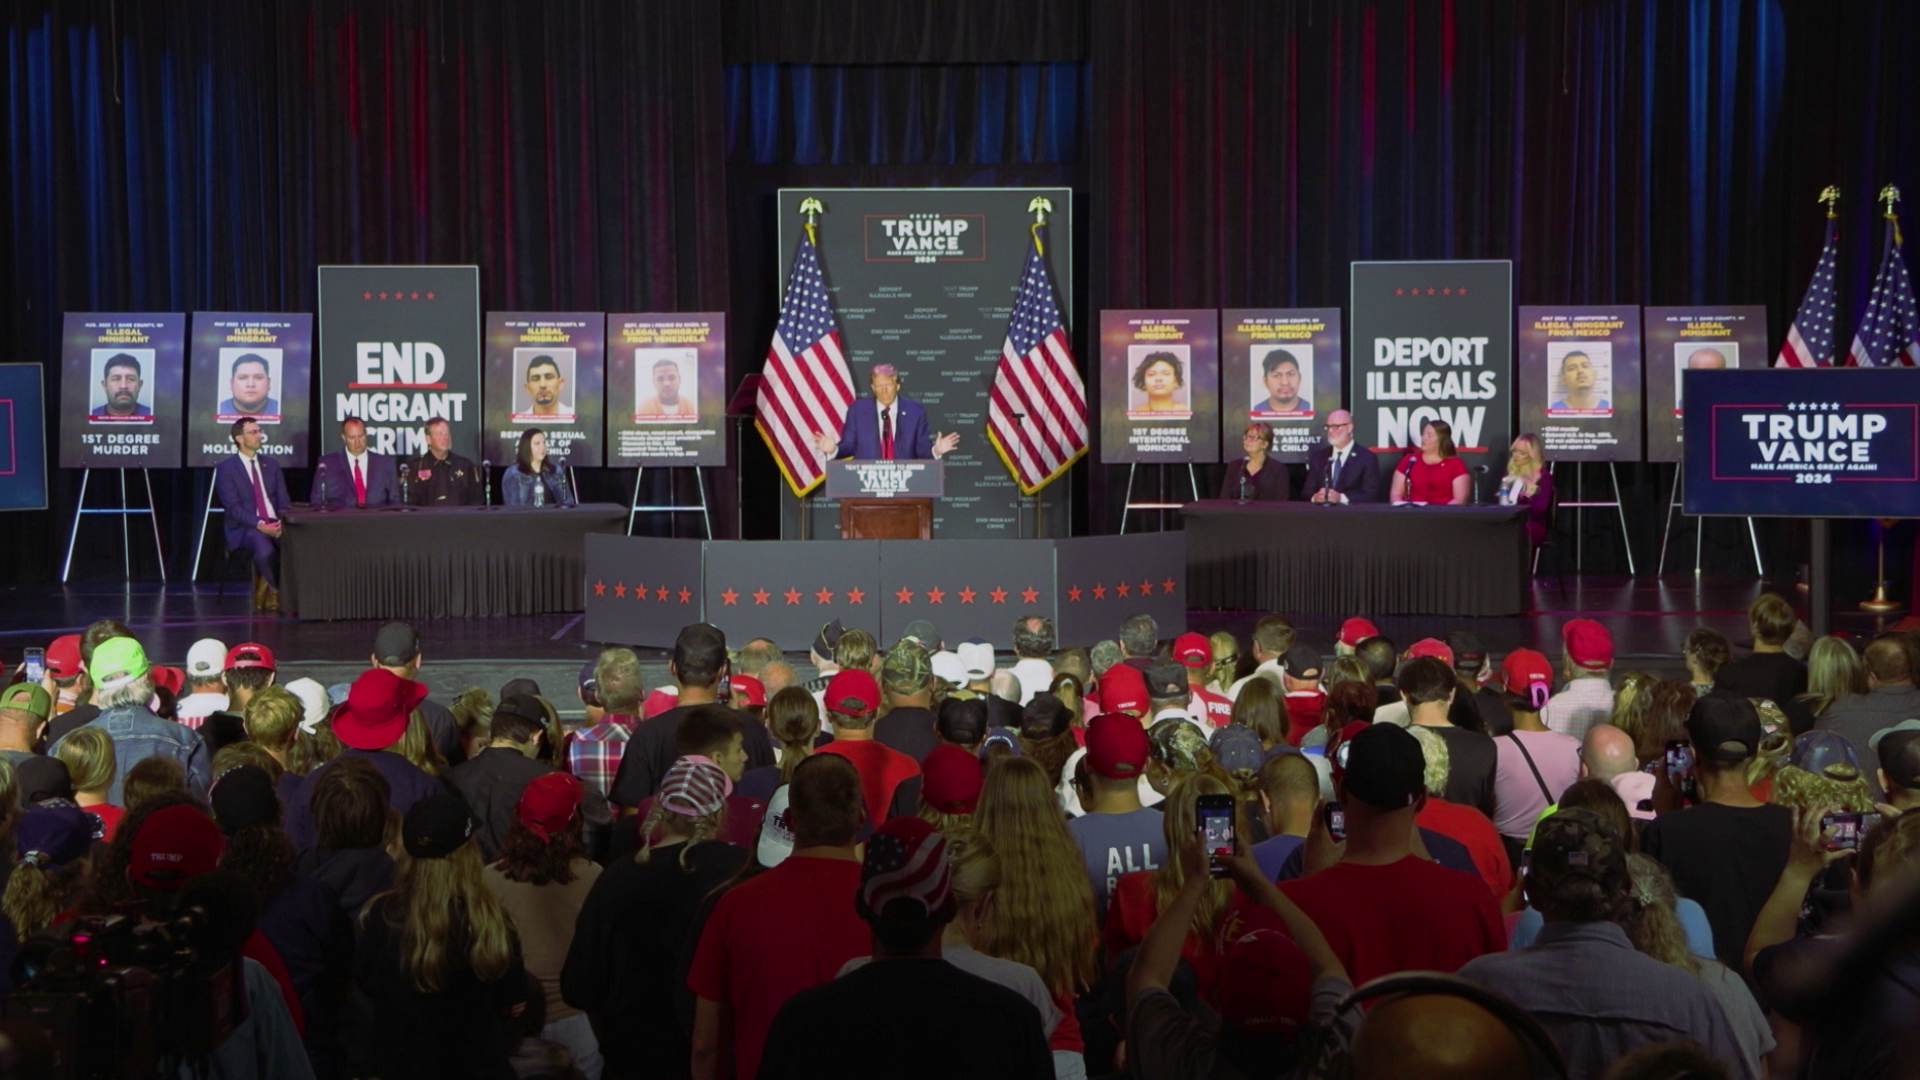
<point x="1362" y="559"/>
<point x="434" y="562"/>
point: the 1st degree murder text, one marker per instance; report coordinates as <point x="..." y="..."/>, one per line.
<point x="1432" y="386"/>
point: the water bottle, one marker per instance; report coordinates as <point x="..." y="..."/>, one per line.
<point x="1243" y="487"/>
<point x="320" y="482"/>
<point x="539" y="491"/>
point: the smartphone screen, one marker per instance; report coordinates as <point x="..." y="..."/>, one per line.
<point x="1680" y="768"/>
<point x="1848" y="829"/>
<point x="35" y="662"/>
<point x="1215" y="813"/>
<point x="1336" y="822"/>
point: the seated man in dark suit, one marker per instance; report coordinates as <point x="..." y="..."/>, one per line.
<point x="888" y="428"/>
<point x="354" y="475"/>
<point x="253" y="496"/>
<point x="1337" y="470"/>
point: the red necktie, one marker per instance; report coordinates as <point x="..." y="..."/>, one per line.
<point x="359" y="485"/>
<point x="259" y="492"/>
<point x="886" y="433"/>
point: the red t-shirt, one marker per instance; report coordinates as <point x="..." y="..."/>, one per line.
<point x="1432" y="483"/>
<point x="1215" y="706"/>
<point x="1471" y="827"/>
<point x="741" y="827"/>
<point x="1133" y="907"/>
<point x="1305" y="711"/>
<point x="109" y="816"/>
<point x="771" y="937"/>
<point x="1410" y="915"/>
<point x="882" y="768"/>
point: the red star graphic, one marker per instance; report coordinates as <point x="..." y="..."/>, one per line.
<point x="1167" y="586"/>
<point x="1399" y="292"/>
<point x="416" y="296"/>
<point x="761" y="596"/>
<point x="383" y="296"/>
<point x="904" y="596"/>
<point x="619" y="590"/>
<point x="999" y="595"/>
<point x="366" y="296"/>
<point x="1146" y="588"/>
<point x="661" y="593"/>
<point x="1030" y="595"/>
<point x="1099" y="592"/>
<point x="856" y="596"/>
<point x="639" y="591"/>
<point x="429" y="296"/>
<point x="967" y="595"/>
<point x="1446" y="292"/>
<point x="730" y="598"/>
<point x="1463" y="290"/>
<point x="1122" y="589"/>
<point x="686" y="596"/>
<point x="793" y="595"/>
<point x="935" y="596"/>
<point x="599" y="588"/>
<point x="1073" y="594"/>
<point x="1429" y="292"/>
<point x="824" y="596"/>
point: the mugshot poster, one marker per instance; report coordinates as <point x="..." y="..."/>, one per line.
<point x="1682" y="339"/>
<point x="1432" y="341"/>
<point x="1580" y="381"/>
<point x="252" y="365"/>
<point x="1279" y="367"/>
<point x="667" y="389"/>
<point x="400" y="345"/>
<point x="545" y="371"/>
<point x="121" y="389"/>
<point x="1159" y="386"/>
<point x="1803" y="442"/>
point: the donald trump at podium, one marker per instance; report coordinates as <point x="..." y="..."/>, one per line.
<point x="889" y="428"/>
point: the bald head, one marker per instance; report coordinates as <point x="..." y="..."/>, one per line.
<point x="777" y="676"/>
<point x="1608" y="752"/>
<point x="1437" y="1037"/>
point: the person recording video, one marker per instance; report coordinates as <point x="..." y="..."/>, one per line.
<point x="1337" y="470"/>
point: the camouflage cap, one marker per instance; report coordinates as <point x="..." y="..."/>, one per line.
<point x="1180" y="744"/>
<point x="1578" y="843"/>
<point x="908" y="668"/>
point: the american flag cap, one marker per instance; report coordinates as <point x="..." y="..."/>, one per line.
<point x="695" y="786"/>
<point x="906" y="860"/>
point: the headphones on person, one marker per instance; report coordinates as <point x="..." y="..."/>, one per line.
<point x="1329" y="1056"/>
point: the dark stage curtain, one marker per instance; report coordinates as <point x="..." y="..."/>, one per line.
<point x="196" y="155"/>
<point x="904" y="31"/>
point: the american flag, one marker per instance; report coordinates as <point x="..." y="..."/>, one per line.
<point x="1037" y="416"/>
<point x="1811" y="337"/>
<point x="807" y="387"/>
<point x="1889" y="332"/>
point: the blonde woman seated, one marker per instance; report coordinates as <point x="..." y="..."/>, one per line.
<point x="1529" y="483"/>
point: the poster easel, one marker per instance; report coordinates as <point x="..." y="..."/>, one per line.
<point x="123" y="512"/>
<point x="1162" y="505"/>
<point x="1674" y="502"/>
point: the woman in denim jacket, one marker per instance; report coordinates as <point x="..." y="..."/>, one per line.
<point x="533" y="480"/>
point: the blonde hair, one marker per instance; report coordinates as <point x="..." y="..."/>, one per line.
<point x="1439" y="762"/>
<point x="1182" y="821"/>
<point x="1631" y="699"/>
<point x="88" y="752"/>
<point x="943" y="821"/>
<point x="35" y="895"/>
<point x="655" y="827"/>
<point x="309" y="752"/>
<point x="1834" y="671"/>
<point x="439" y="898"/>
<point x="1653" y="919"/>
<point x="1044" y="914"/>
<point x="1795" y="786"/>
<point x="974" y="864"/>
<point x="273" y="714"/>
<point x="1532" y="443"/>
<point x="1226" y="659"/>
<point x="473" y="713"/>
<point x="246" y="752"/>
<point x="416" y="745"/>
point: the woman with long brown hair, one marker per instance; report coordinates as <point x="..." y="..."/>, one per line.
<point x="439" y="957"/>
<point x="1653" y="925"/>
<point x="1432" y="474"/>
<point x="793" y="719"/>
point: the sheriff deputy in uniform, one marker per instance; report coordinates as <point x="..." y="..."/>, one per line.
<point x="440" y="476"/>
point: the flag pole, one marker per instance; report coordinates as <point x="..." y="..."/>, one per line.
<point x="1881" y="604"/>
<point x="811" y="207"/>
<point x="1039" y="206"/>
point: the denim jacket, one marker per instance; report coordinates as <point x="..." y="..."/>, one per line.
<point x="517" y="484"/>
<point x="138" y="735"/>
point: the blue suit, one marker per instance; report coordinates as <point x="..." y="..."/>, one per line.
<point x="1359" y="478"/>
<point x="235" y="491"/>
<point x="912" y="437"/>
<point x="383" y="481"/>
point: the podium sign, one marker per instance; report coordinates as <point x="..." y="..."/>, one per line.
<point x="917" y="479"/>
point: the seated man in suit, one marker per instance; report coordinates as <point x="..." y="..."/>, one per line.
<point x="354" y="476"/>
<point x="253" y="496"/>
<point x="1337" y="470"/>
<point x="891" y="428"/>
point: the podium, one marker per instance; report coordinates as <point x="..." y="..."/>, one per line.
<point x="886" y="500"/>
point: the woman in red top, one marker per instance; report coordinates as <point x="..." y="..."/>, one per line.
<point x="1435" y="475"/>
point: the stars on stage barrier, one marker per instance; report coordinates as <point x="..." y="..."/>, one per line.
<point x="936" y="595"/>
<point x="967" y="595"/>
<point x="397" y="294"/>
<point x="1444" y="290"/>
<point x="793" y="595"/>
<point x="856" y="596"/>
<point x="761" y="596"/>
<point x="662" y="594"/>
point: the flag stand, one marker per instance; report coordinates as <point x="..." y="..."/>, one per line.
<point x="123" y="512"/>
<point x="1163" y="506"/>
<point x="1881" y="604"/>
<point x="634" y="508"/>
<point x="1699" y="529"/>
<point x="1579" y="517"/>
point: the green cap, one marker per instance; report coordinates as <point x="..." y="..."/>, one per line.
<point x="31" y="697"/>
<point x="908" y="668"/>
<point x="117" y="662"/>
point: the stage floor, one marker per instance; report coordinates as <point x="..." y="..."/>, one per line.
<point x="1649" y="617"/>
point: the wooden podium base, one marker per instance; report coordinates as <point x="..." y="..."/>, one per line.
<point x="886" y="519"/>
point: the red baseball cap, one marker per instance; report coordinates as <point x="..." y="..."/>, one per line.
<point x="63" y="656"/>
<point x="1117" y="746"/>
<point x="250" y="654"/>
<point x="1525" y="668"/>
<point x="1589" y="644"/>
<point x="1356" y="630"/>
<point x="752" y="687"/>
<point x="1431" y="647"/>
<point x="1265" y="983"/>
<point x="1123" y="689"/>
<point x="378" y="706"/>
<point x="549" y="802"/>
<point x="951" y="779"/>
<point x="174" y="846"/>
<point x="170" y="677"/>
<point x="854" y="692"/>
<point x="1193" y="650"/>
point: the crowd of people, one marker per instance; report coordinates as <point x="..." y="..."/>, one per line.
<point x="1196" y="857"/>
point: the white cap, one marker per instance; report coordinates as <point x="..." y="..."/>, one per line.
<point x="947" y="666"/>
<point x="207" y="658"/>
<point x="314" y="702"/>
<point x="976" y="658"/>
<point x="776" y="835"/>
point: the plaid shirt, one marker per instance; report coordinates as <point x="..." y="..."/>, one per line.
<point x="593" y="754"/>
<point x="1583" y="703"/>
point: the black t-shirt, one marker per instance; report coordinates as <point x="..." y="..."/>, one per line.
<point x="908" y="729"/>
<point x="1472" y="762"/>
<point x="460" y="1032"/>
<point x="1726" y="859"/>
<point x="1774" y="676"/>
<point x="650" y="753"/>
<point x="1495" y="718"/>
<point x="77" y="717"/>
<point x="909" y="1024"/>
